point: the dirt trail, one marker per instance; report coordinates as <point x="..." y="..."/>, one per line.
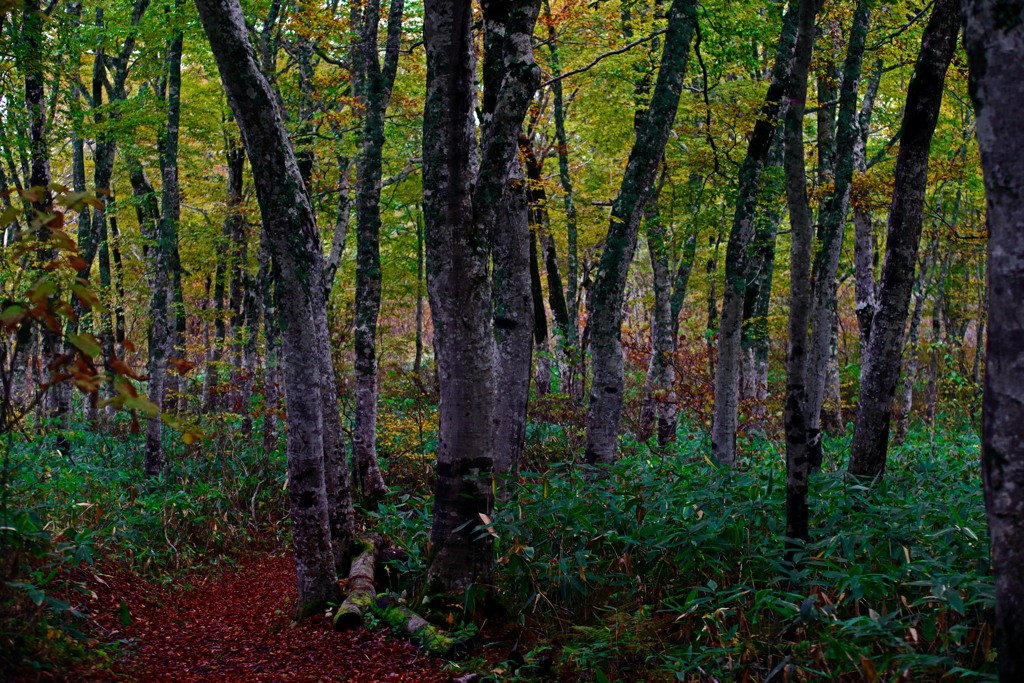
<point x="236" y="627"/>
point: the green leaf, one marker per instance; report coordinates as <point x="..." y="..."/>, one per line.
<point x="86" y="343"/>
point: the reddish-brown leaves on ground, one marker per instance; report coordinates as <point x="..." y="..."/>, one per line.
<point x="237" y="627"/>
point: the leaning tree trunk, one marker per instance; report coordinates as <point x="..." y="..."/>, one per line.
<point x="802" y="230"/>
<point x="737" y="255"/>
<point x="605" y="317"/>
<point x="880" y="369"/>
<point x="459" y="219"/>
<point x="994" y="35"/>
<point x="375" y="91"/>
<point x="294" y="244"/>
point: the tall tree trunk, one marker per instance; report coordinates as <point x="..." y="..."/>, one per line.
<point x="755" y="339"/>
<point x="513" y="313"/>
<point x="737" y="255"/>
<point x="459" y="219"/>
<point x="609" y="287"/>
<point x="994" y="36"/>
<point x="417" y="366"/>
<point x="880" y="370"/>
<point x="235" y="155"/>
<point x="294" y="243"/>
<point x="832" y="218"/>
<point x="802" y="231"/>
<point x="164" y="329"/>
<point x="375" y="94"/>
<point x="271" y="348"/>
<point x="864" y="233"/>
<point x="574" y="346"/>
<point x="659" y="400"/>
<point x="906" y="397"/>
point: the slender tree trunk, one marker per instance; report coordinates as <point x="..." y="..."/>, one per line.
<point x="864" y="237"/>
<point x="795" y="420"/>
<point x="755" y="340"/>
<point x="833" y="224"/>
<point x="417" y="366"/>
<point x="906" y="397"/>
<point x="512" y="297"/>
<point x="737" y="255"/>
<point x="293" y="241"/>
<point x="271" y="348"/>
<point x="542" y="351"/>
<point x="881" y="368"/>
<point x="605" y="317"/>
<point x="994" y="36"/>
<point x="235" y="166"/>
<point x="659" y="400"/>
<point x="164" y="329"/>
<point x="573" y="342"/>
<point x="375" y="93"/>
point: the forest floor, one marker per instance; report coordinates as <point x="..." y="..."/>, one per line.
<point x="236" y="626"/>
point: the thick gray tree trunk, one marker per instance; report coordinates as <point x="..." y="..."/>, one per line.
<point x="738" y="256"/>
<point x="880" y="368"/>
<point x="294" y="243"/>
<point x="376" y="82"/>
<point x="994" y="36"/>
<point x="605" y="317"/>
<point x="459" y="218"/>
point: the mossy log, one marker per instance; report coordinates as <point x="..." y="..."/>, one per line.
<point x="399" y="617"/>
<point x="361" y="587"/>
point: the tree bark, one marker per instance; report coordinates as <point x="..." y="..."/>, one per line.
<point x="513" y="315"/>
<point x="864" y="237"/>
<point x="802" y="231"/>
<point x="236" y="167"/>
<point x="542" y="350"/>
<point x="164" y="333"/>
<point x="294" y="243"/>
<point x="738" y="256"/>
<point x="605" y="317"/>
<point x="880" y="370"/>
<point x="994" y="37"/>
<point x="575" y="348"/>
<point x="459" y="219"/>
<point x="832" y="218"/>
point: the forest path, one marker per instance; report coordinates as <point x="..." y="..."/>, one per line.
<point x="236" y="627"/>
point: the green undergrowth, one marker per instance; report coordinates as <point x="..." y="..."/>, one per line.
<point x="65" y="505"/>
<point x="667" y="568"/>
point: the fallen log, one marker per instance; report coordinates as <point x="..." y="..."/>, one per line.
<point x="361" y="587"/>
<point x="399" y="617"/>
